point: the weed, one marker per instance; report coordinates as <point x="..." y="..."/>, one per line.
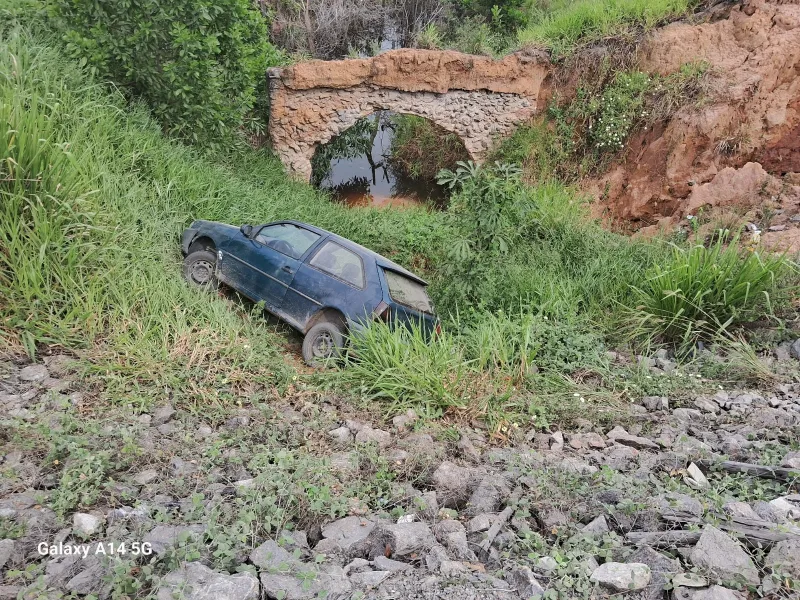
<point x="702" y="292"/>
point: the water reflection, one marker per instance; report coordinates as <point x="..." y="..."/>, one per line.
<point x="356" y="168"/>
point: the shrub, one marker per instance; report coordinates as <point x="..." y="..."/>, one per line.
<point x="196" y="63"/>
<point x="701" y="293"/>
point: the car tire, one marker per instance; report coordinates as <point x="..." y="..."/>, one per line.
<point x="198" y="269"/>
<point x="322" y="342"/>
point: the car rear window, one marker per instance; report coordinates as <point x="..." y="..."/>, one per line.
<point x="339" y="262"/>
<point x="408" y="292"/>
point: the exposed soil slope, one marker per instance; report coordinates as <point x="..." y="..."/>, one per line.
<point x="741" y="149"/>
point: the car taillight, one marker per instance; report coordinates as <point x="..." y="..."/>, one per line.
<point x="382" y="312"/>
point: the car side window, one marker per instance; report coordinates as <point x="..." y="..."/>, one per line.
<point x="339" y="262"/>
<point x="287" y="239"/>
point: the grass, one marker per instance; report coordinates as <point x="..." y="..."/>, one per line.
<point x="568" y="23"/>
<point x="94" y="198"/>
<point x="703" y="292"/>
<point x="93" y="201"/>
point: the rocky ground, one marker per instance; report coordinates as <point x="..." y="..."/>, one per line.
<point x="312" y="497"/>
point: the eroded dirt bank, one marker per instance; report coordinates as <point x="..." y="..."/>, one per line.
<point x="738" y="150"/>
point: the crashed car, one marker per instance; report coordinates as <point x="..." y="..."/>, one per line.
<point x="323" y="285"/>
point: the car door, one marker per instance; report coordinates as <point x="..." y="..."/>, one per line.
<point x="334" y="276"/>
<point x="268" y="260"/>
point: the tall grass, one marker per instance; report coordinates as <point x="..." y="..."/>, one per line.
<point x="702" y="292"/>
<point x="568" y="23"/>
<point x="93" y="201"/>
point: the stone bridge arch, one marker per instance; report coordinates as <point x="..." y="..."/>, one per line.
<point x="475" y="97"/>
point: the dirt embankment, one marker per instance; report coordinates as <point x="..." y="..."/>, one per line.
<point x="739" y="151"/>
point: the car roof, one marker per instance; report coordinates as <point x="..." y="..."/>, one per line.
<point x="382" y="261"/>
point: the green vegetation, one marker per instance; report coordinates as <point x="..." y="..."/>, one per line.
<point x="569" y="22"/>
<point x="420" y="149"/>
<point x="582" y="135"/>
<point x="197" y="65"/>
<point x="702" y="293"/>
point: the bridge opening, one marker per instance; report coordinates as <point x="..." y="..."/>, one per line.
<point x="388" y="159"/>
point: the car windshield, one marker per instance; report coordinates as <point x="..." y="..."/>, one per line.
<point x="408" y="292"/>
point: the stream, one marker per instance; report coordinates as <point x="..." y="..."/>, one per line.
<point x="356" y="169"/>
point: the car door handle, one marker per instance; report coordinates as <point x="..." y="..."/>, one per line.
<point x="287" y="268"/>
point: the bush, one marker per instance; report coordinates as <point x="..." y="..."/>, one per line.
<point x="701" y="293"/>
<point x="197" y="63"/>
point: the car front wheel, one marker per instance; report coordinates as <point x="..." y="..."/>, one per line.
<point x="198" y="268"/>
<point x="322" y="342"/>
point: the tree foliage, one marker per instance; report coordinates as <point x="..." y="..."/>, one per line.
<point x="197" y="63"/>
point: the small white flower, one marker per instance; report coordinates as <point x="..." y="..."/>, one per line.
<point x="583" y="399"/>
<point x="576" y="394"/>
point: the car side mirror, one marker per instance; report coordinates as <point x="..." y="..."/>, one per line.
<point x="247" y="230"/>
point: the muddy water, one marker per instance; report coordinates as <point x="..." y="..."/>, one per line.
<point x="369" y="180"/>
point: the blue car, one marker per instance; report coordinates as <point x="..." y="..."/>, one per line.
<point x="323" y="285"/>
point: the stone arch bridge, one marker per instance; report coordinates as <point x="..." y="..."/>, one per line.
<point x="475" y="97"/>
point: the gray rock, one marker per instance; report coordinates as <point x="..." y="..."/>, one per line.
<point x="453" y="568"/>
<point x="784" y="558"/>
<point x="146" y="476"/>
<point x="675" y="503"/>
<point x="598" y="526"/>
<point x="715" y="592"/>
<point x="622" y="577"/>
<point x="368" y="435"/>
<point x="480" y="523"/>
<point x="435" y="556"/>
<point x="488" y="495"/>
<point x="91" y="579"/>
<point x="357" y="565"/>
<point x="195" y="581"/>
<point x="662" y="569"/>
<point x="369" y="579"/>
<point x="164" y="537"/>
<point x="723" y="557"/>
<point x="86" y="524"/>
<point x="346" y="532"/>
<point x="556" y="441"/>
<point x="791" y="460"/>
<point x="270" y="556"/>
<point x="162" y="415"/>
<point x="740" y="509"/>
<point x="6" y="552"/>
<point x="329" y="580"/>
<point x="785" y="509"/>
<point x="182" y="468"/>
<point x="387" y="564"/>
<point x="546" y="564"/>
<point x="9" y="592"/>
<point x="341" y="436"/>
<point x="706" y="404"/>
<point x="655" y="403"/>
<point x="454" y="484"/>
<point x="692" y="580"/>
<point x="34" y="373"/>
<point x="619" y="435"/>
<point x="524" y="581"/>
<point x="403" y="539"/>
<point x="794" y="349"/>
<point x="452" y="535"/>
<point x="689" y="415"/>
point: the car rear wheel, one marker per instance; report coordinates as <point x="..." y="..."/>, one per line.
<point x="198" y="269"/>
<point x="323" y="341"/>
